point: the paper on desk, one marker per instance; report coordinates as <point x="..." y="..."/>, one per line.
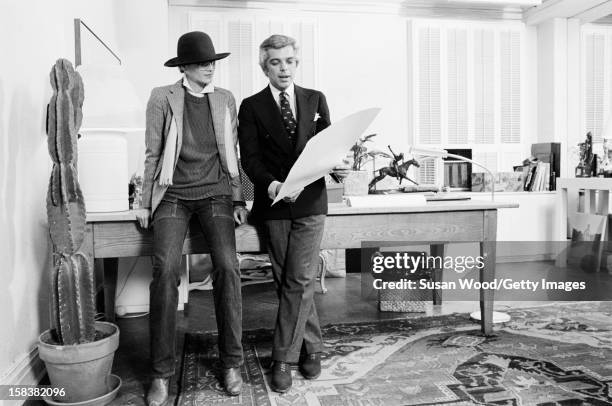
<point x="325" y="151"/>
<point x="393" y="200"/>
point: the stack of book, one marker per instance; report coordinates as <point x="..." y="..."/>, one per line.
<point x="537" y="176"/>
<point x="503" y="182"/>
<point x="549" y="152"/>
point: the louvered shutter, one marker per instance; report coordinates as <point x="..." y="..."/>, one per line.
<point x="594" y="89"/>
<point x="429" y="114"/>
<point x="240" y="44"/>
<point x="428" y="173"/>
<point x="457" y="125"/>
<point x="510" y="64"/>
<point x="484" y="118"/>
<point x="488" y="159"/>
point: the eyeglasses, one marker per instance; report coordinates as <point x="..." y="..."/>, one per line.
<point x="208" y="64"/>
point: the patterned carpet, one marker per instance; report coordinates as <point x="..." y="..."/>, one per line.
<point x="550" y="355"/>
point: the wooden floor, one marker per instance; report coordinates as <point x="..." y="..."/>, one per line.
<point x="343" y="303"/>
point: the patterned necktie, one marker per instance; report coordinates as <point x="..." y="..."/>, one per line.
<point x="288" y="119"/>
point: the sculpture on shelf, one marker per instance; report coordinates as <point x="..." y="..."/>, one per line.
<point x="72" y="275"/>
<point x="397" y="168"/>
<point x="356" y="183"/>
<point x="586" y="166"/>
<point x="606" y="162"/>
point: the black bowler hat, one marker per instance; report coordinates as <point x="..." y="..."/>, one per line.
<point x="194" y="47"/>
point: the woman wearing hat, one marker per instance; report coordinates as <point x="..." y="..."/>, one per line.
<point x="191" y="169"/>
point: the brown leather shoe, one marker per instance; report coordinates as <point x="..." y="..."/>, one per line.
<point x="158" y="392"/>
<point x="310" y="366"/>
<point x="232" y="379"/>
<point x="281" y="377"/>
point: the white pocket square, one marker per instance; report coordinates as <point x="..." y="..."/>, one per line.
<point x="316" y="117"/>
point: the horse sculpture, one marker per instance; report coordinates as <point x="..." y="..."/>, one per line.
<point x="397" y="169"/>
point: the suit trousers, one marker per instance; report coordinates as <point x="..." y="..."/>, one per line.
<point x="293" y="245"/>
<point x="170" y="224"/>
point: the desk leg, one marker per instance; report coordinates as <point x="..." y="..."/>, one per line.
<point x="109" y="268"/>
<point x="437" y="251"/>
<point x="487" y="274"/>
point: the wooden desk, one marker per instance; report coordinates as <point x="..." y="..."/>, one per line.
<point x="114" y="235"/>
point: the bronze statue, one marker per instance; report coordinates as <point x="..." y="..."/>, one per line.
<point x="397" y="168"/>
<point x="586" y="165"/>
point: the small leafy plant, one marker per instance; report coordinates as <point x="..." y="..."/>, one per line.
<point x="361" y="154"/>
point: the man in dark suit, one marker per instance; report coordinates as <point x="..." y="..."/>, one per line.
<point x="274" y="126"/>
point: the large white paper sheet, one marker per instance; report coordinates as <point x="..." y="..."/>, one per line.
<point x="326" y="150"/>
<point x="391" y="200"/>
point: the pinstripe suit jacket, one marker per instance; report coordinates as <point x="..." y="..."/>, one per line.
<point x="166" y="104"/>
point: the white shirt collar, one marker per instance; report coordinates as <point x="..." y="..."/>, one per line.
<point x="209" y="88"/>
<point x="276" y="93"/>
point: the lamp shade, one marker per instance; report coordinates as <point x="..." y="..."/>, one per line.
<point x="110" y="100"/>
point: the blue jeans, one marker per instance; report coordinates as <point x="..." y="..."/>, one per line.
<point x="170" y="224"/>
<point x="294" y="247"/>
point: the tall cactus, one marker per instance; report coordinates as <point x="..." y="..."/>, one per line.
<point x="73" y="278"/>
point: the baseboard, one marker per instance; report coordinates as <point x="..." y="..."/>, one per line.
<point x="142" y="308"/>
<point x="502" y="259"/>
<point x="27" y="371"/>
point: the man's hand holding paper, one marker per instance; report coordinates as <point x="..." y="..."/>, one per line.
<point x="323" y="152"/>
<point x="275" y="187"/>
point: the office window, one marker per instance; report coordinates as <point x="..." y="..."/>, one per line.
<point x="467" y="90"/>
<point x="241" y="33"/>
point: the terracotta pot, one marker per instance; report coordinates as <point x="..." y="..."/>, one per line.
<point x="356" y="183"/>
<point x="83" y="370"/>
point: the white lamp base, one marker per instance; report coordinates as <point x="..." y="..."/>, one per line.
<point x="103" y="170"/>
<point x="498" y="317"/>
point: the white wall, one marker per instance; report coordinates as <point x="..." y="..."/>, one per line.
<point x="559" y="89"/>
<point x="33" y="35"/>
<point x="361" y="68"/>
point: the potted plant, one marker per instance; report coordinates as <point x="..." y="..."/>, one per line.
<point x="77" y="351"/>
<point x="358" y="179"/>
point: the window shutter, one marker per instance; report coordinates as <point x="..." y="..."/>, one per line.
<point x="594" y="84"/>
<point x="427" y="172"/>
<point x="457" y="86"/>
<point x="304" y="33"/>
<point x="484" y="118"/>
<point x="429" y="115"/>
<point x="510" y="61"/>
<point x="240" y="44"/>
<point x="488" y="159"/>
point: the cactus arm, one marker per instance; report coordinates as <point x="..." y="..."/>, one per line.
<point x="86" y="296"/>
<point x="55" y="300"/>
<point x="65" y="111"/>
<point x="68" y="320"/>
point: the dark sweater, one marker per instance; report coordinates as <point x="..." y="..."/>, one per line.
<point x="198" y="172"/>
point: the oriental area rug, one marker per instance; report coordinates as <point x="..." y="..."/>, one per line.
<point x="550" y="355"/>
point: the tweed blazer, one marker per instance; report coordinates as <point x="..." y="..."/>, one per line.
<point x="165" y="115"/>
